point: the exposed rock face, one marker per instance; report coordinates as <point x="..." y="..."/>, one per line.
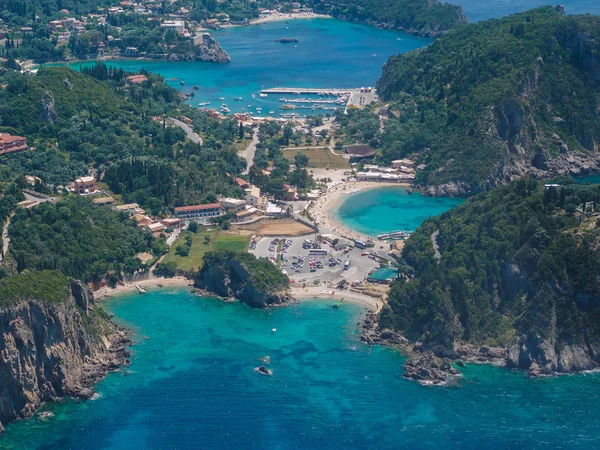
<point x="543" y="357"/>
<point x="209" y="50"/>
<point x="233" y="280"/>
<point x="47" y="114"/>
<point x="52" y="350"/>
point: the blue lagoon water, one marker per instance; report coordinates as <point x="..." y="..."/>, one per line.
<point x="192" y="385"/>
<point x="385" y="209"/>
<point x="330" y="54"/>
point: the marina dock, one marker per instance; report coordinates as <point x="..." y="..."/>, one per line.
<point x="308" y="91"/>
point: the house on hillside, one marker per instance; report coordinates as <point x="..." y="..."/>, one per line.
<point x="12" y="144"/>
<point x="85" y="185"/>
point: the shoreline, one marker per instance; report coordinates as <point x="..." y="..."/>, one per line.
<point x="313" y="293"/>
<point x="300" y="294"/>
<point x="324" y="208"/>
<point x="129" y="286"/>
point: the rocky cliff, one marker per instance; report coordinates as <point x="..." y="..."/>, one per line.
<point x="205" y="49"/>
<point x="494" y="101"/>
<point x="516" y="280"/>
<point x="256" y="282"/>
<point x="50" y="350"/>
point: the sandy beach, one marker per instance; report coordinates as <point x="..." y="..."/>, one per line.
<point x="313" y="293"/>
<point x="323" y="209"/>
<point x="129" y="286"/>
<point x="277" y="17"/>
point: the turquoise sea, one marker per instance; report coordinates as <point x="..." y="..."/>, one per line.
<point x="192" y="385"/>
<point x="390" y="208"/>
<point x="330" y="54"/>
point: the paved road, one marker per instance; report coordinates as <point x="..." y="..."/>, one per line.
<point x="191" y="134"/>
<point x="5" y="238"/>
<point x="248" y="154"/>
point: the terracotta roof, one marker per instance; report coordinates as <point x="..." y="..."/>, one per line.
<point x="9" y="139"/>
<point x="197" y="207"/>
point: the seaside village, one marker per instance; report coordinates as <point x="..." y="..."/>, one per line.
<point x="292" y="230"/>
<point x="89" y="29"/>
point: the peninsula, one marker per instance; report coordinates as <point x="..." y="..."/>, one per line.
<point x="483" y="122"/>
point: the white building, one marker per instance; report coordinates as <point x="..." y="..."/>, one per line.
<point x="176" y="25"/>
<point x="198" y="212"/>
<point x="274" y="210"/>
<point x="253" y="196"/>
<point x="233" y="204"/>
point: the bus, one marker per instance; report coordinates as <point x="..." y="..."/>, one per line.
<point x="317" y="252"/>
<point x="360" y="244"/>
<point x="347" y="264"/>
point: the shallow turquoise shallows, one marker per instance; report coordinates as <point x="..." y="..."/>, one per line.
<point x="330" y="54"/>
<point x="192" y="385"/>
<point x="390" y="209"/>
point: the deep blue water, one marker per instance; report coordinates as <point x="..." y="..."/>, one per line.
<point x="193" y="386"/>
<point x="477" y="10"/>
<point x="330" y="54"/>
<point x="390" y="208"/>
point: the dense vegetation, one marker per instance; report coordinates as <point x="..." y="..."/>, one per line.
<point x="49" y="285"/>
<point x="424" y="17"/>
<point x="261" y="273"/>
<point x="515" y="260"/>
<point x="488" y="102"/>
<point x="78" y="238"/>
<point x="77" y="122"/>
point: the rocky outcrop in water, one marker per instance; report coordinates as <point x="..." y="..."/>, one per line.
<point x="52" y="350"/>
<point x="428" y="369"/>
<point x="256" y="282"/>
<point x="206" y="49"/>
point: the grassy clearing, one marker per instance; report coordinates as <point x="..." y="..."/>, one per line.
<point x="205" y="241"/>
<point x="318" y="157"/>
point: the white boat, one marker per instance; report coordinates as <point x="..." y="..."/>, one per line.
<point x="271" y="112"/>
<point x="263" y="95"/>
<point x="274" y="330"/>
<point x="222" y="98"/>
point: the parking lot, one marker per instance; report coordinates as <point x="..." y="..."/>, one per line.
<point x="298" y="262"/>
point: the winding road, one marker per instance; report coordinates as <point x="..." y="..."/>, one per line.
<point x="248" y="154"/>
<point x="190" y="133"/>
<point x="5" y="238"/>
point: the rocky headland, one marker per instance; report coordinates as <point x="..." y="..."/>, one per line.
<point x="50" y="350"/>
<point x="205" y="49"/>
<point x="242" y="276"/>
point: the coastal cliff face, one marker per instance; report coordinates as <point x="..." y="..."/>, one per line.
<point x="243" y="277"/>
<point x="208" y="50"/>
<point x="52" y="350"/>
<point x="497" y="100"/>
<point x="516" y="280"/>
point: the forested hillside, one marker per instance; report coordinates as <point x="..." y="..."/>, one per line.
<point x="519" y="268"/>
<point x="76" y="123"/>
<point x="427" y="18"/>
<point x="489" y="102"/>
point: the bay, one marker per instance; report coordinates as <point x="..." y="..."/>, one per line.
<point x="192" y="385"/>
<point x="330" y="54"/>
<point x="386" y="209"/>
